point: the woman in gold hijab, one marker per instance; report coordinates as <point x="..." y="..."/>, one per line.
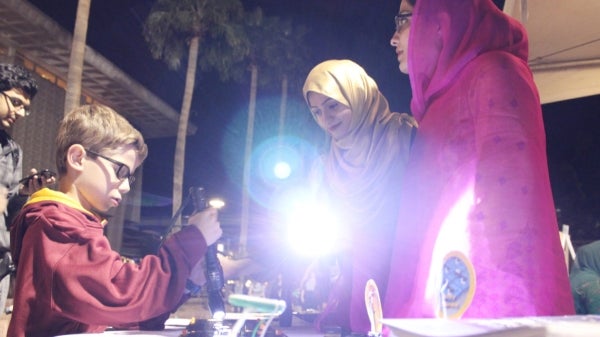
<point x="362" y="173"/>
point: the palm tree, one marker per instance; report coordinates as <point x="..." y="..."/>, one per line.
<point x="73" y="94"/>
<point x="263" y="35"/>
<point x="176" y="26"/>
<point x="290" y="62"/>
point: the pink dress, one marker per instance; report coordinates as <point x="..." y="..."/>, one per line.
<point x="477" y="233"/>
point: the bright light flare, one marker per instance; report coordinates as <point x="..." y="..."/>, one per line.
<point x="312" y="229"/>
<point x="282" y="170"/>
<point x="216" y="203"/>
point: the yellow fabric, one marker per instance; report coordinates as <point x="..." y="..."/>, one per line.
<point x="46" y="194"/>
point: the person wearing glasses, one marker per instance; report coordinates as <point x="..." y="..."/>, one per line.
<point x="68" y="278"/>
<point x="478" y="234"/>
<point x="18" y="87"/>
<point x="361" y="177"/>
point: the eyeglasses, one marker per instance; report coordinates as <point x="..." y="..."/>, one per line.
<point x="122" y="171"/>
<point x="401" y="19"/>
<point x="16" y="103"/>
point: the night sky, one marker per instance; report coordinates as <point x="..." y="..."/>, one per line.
<point x="356" y="29"/>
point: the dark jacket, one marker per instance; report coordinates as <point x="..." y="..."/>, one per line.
<point x="585" y="279"/>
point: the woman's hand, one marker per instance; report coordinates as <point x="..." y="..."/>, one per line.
<point x="408" y="119"/>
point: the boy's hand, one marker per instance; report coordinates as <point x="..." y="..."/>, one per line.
<point x="208" y="224"/>
<point x="198" y="273"/>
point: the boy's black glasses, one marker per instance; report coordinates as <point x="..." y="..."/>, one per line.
<point x="17" y="104"/>
<point x="122" y="171"/>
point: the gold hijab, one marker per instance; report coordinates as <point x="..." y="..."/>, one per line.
<point x="366" y="165"/>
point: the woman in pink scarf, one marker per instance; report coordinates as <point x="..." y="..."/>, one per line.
<point x="361" y="175"/>
<point x="477" y="233"/>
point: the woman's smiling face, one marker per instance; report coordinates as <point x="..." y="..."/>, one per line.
<point x="331" y="115"/>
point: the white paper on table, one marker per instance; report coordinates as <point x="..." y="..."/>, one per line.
<point x="556" y="326"/>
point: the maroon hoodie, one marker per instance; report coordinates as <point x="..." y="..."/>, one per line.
<point x="69" y="280"/>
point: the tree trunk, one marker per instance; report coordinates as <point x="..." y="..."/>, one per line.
<point x="179" y="163"/>
<point x="247" y="162"/>
<point x="73" y="94"/>
<point x="282" y="107"/>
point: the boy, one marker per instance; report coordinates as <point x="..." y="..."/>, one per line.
<point x="68" y="278"/>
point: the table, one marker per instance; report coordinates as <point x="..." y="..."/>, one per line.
<point x="175" y="326"/>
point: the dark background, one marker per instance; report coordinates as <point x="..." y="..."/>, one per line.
<point x="355" y="29"/>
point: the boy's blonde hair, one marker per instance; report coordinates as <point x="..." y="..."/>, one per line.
<point x="96" y="127"/>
